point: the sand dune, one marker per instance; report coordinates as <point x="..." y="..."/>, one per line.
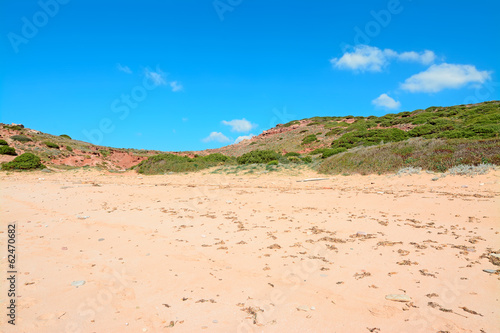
<point x="259" y="253"/>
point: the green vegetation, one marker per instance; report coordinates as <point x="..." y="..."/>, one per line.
<point x="369" y="138"/>
<point x="258" y="156"/>
<point x="306" y="159"/>
<point x="51" y="144"/>
<point x="273" y="162"/>
<point x="327" y="152"/>
<point x="3" y="143"/>
<point x="26" y="161"/>
<point x="331" y="152"/>
<point x="310" y="138"/>
<point x="20" y="138"/>
<point x="162" y="163"/>
<point x="294" y="159"/>
<point x="65" y="136"/>
<point x="293" y="122"/>
<point x="105" y="153"/>
<point x="14" y="127"/>
<point x="68" y="148"/>
<point x="6" y="150"/>
<point x="292" y="154"/>
<point x="428" y="154"/>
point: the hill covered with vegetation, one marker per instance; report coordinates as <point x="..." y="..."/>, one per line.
<point x="435" y="139"/>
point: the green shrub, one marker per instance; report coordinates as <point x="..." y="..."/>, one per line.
<point x="3" y="143"/>
<point x="14" y="127"/>
<point x="68" y="148"/>
<point x="5" y="150"/>
<point x="215" y="158"/>
<point x="294" y="159"/>
<point x="310" y="138"/>
<point x="66" y="136"/>
<point x="26" y="161"/>
<point x="273" y="162"/>
<point x="258" y="156"/>
<point x="20" y="138"/>
<point x="105" y="153"/>
<point x="293" y="122"/>
<point x="292" y="154"/>
<point x="369" y="138"/>
<point x="51" y="144"/>
<point x="428" y="154"/>
<point x="331" y="152"/>
<point x="162" y="163"/>
<point x="319" y="151"/>
<point x="335" y="131"/>
<point x="306" y="159"/>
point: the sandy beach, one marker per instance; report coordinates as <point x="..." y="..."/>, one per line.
<point x="120" y="252"/>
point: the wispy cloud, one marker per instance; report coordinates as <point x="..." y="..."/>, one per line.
<point x="365" y="58"/>
<point x="124" y="69"/>
<point x="176" y="86"/>
<point x="384" y="101"/>
<point x="240" y="125"/>
<point x="425" y="58"/>
<point x="445" y="76"/>
<point x="157" y="77"/>
<point x="244" y="137"/>
<point x="216" y="136"/>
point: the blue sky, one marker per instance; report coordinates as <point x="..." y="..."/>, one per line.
<point x="190" y="75"/>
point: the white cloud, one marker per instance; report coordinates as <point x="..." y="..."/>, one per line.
<point x="426" y="58"/>
<point x="175" y="86"/>
<point x="158" y="77"/>
<point x="216" y="136"/>
<point x="386" y="102"/>
<point x="124" y="69"/>
<point x="365" y="58"/>
<point x="445" y="76"/>
<point x="244" y="137"/>
<point x="239" y="125"/>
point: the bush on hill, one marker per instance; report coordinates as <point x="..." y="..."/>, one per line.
<point x="26" y="161"/>
<point x="310" y="138"/>
<point x="428" y="154"/>
<point x="330" y="152"/>
<point x="51" y="144"/>
<point x="369" y="138"/>
<point x="306" y="159"/>
<point x="6" y="150"/>
<point x="162" y="163"/>
<point x="20" y="138"/>
<point x="258" y="157"/>
<point x="3" y="143"/>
